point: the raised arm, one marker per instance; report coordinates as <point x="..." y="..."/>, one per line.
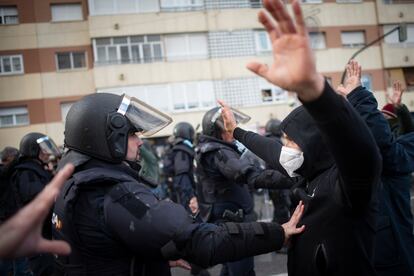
<point x="294" y="69"/>
<point x="396" y="154"/>
<point x="266" y="148"/>
<point x="403" y="114"/>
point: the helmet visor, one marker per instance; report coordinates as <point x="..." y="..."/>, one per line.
<point x="145" y="118"/>
<point x="241" y="118"/>
<point x="47" y="145"/>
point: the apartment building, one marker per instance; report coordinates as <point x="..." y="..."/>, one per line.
<point x="178" y="55"/>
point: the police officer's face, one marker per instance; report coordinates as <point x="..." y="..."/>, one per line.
<point x="44" y="156"/>
<point x="133" y="147"/>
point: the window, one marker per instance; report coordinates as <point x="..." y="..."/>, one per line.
<point x="192" y="95"/>
<point x="256" y="3"/>
<point x="8" y="15"/>
<point x="64" y="109"/>
<point x="353" y="39"/>
<point x="13" y="116"/>
<point x="262" y="42"/>
<point x="186" y="46"/>
<point x="317" y="40"/>
<point x="409" y="77"/>
<point x="11" y="65"/>
<point x="181" y="4"/>
<point x="70" y="60"/>
<point x="128" y="49"/>
<point x="66" y="12"/>
<point x="100" y="7"/>
<point x="366" y="81"/>
<point x="271" y="93"/>
<point x="393" y="37"/>
<point x="311" y="1"/>
<point x="173" y="97"/>
<point x="348" y="1"/>
<point x="398" y="1"/>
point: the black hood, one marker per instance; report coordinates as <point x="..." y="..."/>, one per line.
<point x="301" y="128"/>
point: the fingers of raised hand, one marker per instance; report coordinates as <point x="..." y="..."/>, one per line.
<point x="270" y="26"/>
<point x="300" y="22"/>
<point x="278" y="11"/>
<point x="259" y="69"/>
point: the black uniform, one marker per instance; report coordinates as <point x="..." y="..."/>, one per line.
<point x="341" y="167"/>
<point x="183" y="179"/>
<point x="116" y="226"/>
<point x="29" y="179"/>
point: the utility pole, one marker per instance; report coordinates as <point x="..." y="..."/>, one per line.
<point x="402" y="36"/>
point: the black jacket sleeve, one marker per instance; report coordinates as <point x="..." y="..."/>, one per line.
<point x="164" y="230"/>
<point x="213" y="244"/>
<point x="397" y="154"/>
<point x="242" y="170"/>
<point x="351" y="144"/>
<point x="269" y="179"/>
<point x="28" y="185"/>
<point x="266" y="148"/>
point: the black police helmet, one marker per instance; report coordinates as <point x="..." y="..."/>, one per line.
<point x="29" y="146"/>
<point x="95" y="128"/>
<point x="209" y="123"/>
<point x="184" y="130"/>
<point x="272" y="128"/>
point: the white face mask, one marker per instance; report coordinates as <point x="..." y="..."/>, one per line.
<point x="291" y="159"/>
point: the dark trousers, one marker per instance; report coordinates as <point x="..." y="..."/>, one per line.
<point x="243" y="267"/>
<point x="15" y="267"/>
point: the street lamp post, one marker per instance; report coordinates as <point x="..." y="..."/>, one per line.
<point x="402" y="36"/>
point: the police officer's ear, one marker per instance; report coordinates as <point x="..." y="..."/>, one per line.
<point x="117" y="135"/>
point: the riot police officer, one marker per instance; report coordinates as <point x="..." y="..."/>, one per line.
<point x="182" y="157"/>
<point x="29" y="177"/>
<point x="222" y="190"/>
<point x="112" y="220"/>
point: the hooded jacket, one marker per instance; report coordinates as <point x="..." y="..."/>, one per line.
<point x="395" y="238"/>
<point x="341" y="173"/>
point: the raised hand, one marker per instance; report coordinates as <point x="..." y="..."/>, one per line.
<point x="353" y="78"/>
<point x="21" y="235"/>
<point x="293" y="66"/>
<point x="397" y="91"/>
<point x="228" y="117"/>
<point x="290" y="226"/>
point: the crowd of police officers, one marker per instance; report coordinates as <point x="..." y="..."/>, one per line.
<point x="127" y="211"/>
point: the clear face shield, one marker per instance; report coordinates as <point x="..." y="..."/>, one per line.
<point x="48" y="146"/>
<point x="145" y="118"/>
<point x="240" y="117"/>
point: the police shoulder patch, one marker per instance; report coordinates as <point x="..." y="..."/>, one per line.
<point x="128" y="200"/>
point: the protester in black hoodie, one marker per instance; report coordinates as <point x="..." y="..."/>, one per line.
<point x="328" y="144"/>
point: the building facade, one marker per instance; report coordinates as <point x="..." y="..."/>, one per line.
<point x="179" y="56"/>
